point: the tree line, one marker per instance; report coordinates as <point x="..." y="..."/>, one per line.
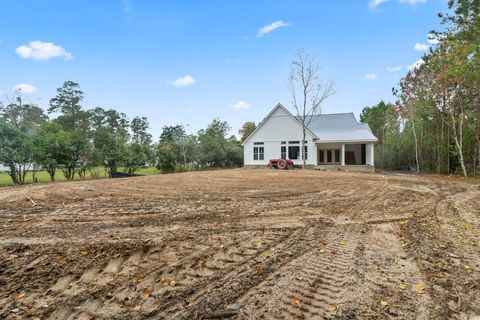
<point x="77" y="140"/>
<point x="434" y="126"/>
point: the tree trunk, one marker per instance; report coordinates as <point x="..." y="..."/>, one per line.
<point x="51" y="172"/>
<point x="416" y="142"/>
<point x="302" y="152"/>
<point x="13" y="174"/>
<point x="383" y="147"/>
<point x="477" y="137"/>
<point x="458" y="137"/>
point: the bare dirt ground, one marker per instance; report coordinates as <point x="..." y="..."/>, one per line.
<point x="242" y="244"/>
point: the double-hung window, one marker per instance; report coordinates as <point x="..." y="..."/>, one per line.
<point x="283" y="152"/>
<point x="294" y="152"/>
<point x="258" y="151"/>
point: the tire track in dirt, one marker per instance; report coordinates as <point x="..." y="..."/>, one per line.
<point x="310" y="286"/>
<point x="226" y="289"/>
<point x="152" y="269"/>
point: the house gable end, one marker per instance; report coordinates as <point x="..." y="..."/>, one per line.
<point x="275" y="122"/>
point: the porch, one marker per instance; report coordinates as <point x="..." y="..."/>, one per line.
<point x="347" y="168"/>
<point x="344" y="155"/>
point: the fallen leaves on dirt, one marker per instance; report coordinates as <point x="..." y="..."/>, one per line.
<point x="147" y="293"/>
<point x="420" y="288"/>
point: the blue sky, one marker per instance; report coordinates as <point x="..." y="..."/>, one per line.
<point x="188" y="62"/>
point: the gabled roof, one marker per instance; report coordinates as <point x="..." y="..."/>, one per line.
<point x="335" y="127"/>
<point x="279" y="105"/>
<point x="339" y="127"/>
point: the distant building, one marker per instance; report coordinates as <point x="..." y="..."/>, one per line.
<point x="332" y="141"/>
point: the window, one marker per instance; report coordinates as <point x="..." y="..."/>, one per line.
<point x="293" y="152"/>
<point x="329" y="156"/>
<point x="293" y="142"/>
<point x="284" y="142"/>
<point x="305" y="152"/>
<point x="258" y="143"/>
<point x="258" y="153"/>
<point x="283" y="152"/>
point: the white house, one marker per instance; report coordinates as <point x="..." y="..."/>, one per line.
<point x="332" y="141"/>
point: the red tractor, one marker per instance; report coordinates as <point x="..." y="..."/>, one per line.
<point x="280" y="164"/>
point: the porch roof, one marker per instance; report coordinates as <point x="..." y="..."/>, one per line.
<point x="339" y="127"/>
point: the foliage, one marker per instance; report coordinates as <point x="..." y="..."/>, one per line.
<point x="435" y="124"/>
<point x="51" y="147"/>
<point x="166" y="157"/>
<point x="27" y="117"/>
<point x="246" y="130"/>
<point x="172" y="133"/>
<point x="78" y="141"/>
<point x="15" y="151"/>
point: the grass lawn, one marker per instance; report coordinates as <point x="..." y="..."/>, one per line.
<point x="96" y="173"/>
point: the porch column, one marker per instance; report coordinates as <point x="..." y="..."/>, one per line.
<point x="370" y="154"/>
<point x="342" y="155"/>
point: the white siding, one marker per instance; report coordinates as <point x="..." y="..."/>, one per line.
<point x="280" y="126"/>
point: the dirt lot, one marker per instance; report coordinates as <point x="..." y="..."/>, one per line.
<point x="242" y="244"/>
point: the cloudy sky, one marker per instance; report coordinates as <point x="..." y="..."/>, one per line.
<point x="187" y="62"/>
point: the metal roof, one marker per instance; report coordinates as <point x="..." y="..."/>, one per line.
<point x="339" y="127"/>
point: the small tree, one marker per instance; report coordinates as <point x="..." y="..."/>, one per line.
<point x="74" y="120"/>
<point x="213" y="144"/>
<point x="136" y="155"/>
<point x="50" y="147"/>
<point x="15" y="152"/>
<point x="166" y="157"/>
<point x="246" y="130"/>
<point x="307" y="90"/>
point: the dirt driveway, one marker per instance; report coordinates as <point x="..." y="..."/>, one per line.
<point x="242" y="244"/>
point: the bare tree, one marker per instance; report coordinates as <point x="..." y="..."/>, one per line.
<point x="308" y="91"/>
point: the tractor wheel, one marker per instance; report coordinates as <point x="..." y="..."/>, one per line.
<point x="290" y="167"/>
<point x="269" y="165"/>
<point x="282" y="164"/>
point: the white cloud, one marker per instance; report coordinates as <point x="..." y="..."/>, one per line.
<point x="375" y="3"/>
<point x="415" y="65"/>
<point x="421" y="47"/>
<point x="25" y="88"/>
<point x="371" y="76"/>
<point x="184" y="81"/>
<point x="240" y="105"/>
<point x="394" y="69"/>
<point x="433" y="39"/>
<point x="271" y="27"/>
<point x="38" y="50"/>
